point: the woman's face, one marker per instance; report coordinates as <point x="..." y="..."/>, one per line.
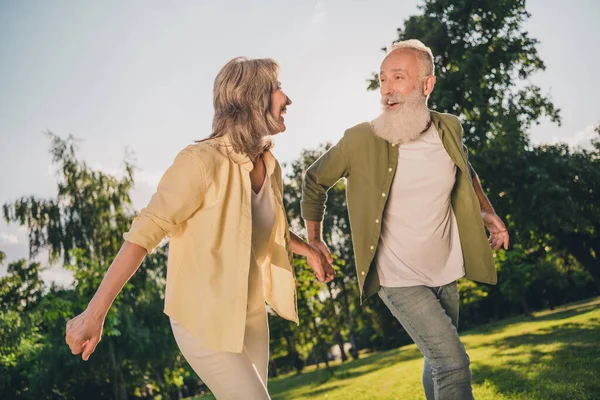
<point x="279" y="103"/>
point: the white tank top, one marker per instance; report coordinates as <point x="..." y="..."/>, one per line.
<point x="263" y="219"/>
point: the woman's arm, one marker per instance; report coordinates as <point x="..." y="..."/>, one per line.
<point x="179" y="194"/>
<point x="84" y="331"/>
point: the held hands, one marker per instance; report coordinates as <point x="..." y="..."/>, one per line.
<point x="498" y="234"/>
<point x="320" y="261"/>
<point x="83" y="333"/>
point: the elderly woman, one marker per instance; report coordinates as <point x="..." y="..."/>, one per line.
<point x="221" y="205"/>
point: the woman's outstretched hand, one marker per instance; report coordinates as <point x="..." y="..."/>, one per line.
<point x="83" y="333"/>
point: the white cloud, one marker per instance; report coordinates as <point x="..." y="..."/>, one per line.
<point x="14" y="241"/>
<point x="52" y="170"/>
<point x="580" y="139"/>
<point x="58" y="275"/>
<point x="110" y="171"/>
<point x="9" y="238"/>
<point x="584" y="137"/>
<point x="149" y="178"/>
<point x="319" y="13"/>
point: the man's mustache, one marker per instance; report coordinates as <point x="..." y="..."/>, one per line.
<point x="393" y="98"/>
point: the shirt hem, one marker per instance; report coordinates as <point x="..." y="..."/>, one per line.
<point x="416" y="282"/>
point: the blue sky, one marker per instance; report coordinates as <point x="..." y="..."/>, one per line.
<point x="139" y="74"/>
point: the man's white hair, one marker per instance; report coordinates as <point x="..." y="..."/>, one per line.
<point x="425" y="54"/>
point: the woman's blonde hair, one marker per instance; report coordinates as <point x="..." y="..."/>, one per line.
<point x="242" y="102"/>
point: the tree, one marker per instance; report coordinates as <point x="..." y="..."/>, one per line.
<point x="563" y="202"/>
<point x="82" y="228"/>
<point x="336" y="229"/>
<point x="22" y="289"/>
<point x="484" y="59"/>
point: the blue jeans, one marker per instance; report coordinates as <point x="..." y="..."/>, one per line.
<point x="430" y="317"/>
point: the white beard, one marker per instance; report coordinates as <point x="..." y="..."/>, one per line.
<point x="405" y="123"/>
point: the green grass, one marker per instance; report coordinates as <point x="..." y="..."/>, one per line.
<point x="555" y="355"/>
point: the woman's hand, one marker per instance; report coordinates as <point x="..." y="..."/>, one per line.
<point x="321" y="262"/>
<point x="84" y="332"/>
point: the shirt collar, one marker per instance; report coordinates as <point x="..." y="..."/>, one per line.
<point x="243" y="160"/>
<point x="438" y="123"/>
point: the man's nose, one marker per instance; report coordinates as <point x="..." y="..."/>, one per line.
<point x="386" y="88"/>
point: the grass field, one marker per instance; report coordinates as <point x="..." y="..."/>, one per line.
<point x="555" y="355"/>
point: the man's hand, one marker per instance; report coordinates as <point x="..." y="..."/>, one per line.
<point x="498" y="233"/>
<point x="320" y="261"/>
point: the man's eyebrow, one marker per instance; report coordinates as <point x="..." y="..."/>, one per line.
<point x="395" y="70"/>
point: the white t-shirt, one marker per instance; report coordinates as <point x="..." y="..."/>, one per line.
<point x="419" y="243"/>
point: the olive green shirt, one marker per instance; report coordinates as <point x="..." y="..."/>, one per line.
<point x="369" y="163"/>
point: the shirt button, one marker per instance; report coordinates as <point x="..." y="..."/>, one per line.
<point x="372" y="247"/>
<point x="362" y="273"/>
<point x="376" y="221"/>
<point x="393" y="144"/>
<point x="382" y="194"/>
<point x="390" y="169"/>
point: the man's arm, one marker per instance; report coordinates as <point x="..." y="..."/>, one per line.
<point x="318" y="179"/>
<point x="498" y="234"/>
<point x="484" y="202"/>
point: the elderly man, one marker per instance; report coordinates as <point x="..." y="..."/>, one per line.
<point x="417" y="213"/>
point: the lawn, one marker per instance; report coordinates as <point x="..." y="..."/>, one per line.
<point x="555" y="355"/>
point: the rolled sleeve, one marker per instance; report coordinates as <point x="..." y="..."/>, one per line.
<point x="464" y="147"/>
<point x="471" y="170"/>
<point x="178" y="196"/>
<point x="320" y="176"/>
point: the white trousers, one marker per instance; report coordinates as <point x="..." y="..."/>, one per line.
<point x="232" y="376"/>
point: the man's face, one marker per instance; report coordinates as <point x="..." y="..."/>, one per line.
<point x="400" y="73"/>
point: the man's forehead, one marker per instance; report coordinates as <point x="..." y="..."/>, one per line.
<point x="400" y="59"/>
